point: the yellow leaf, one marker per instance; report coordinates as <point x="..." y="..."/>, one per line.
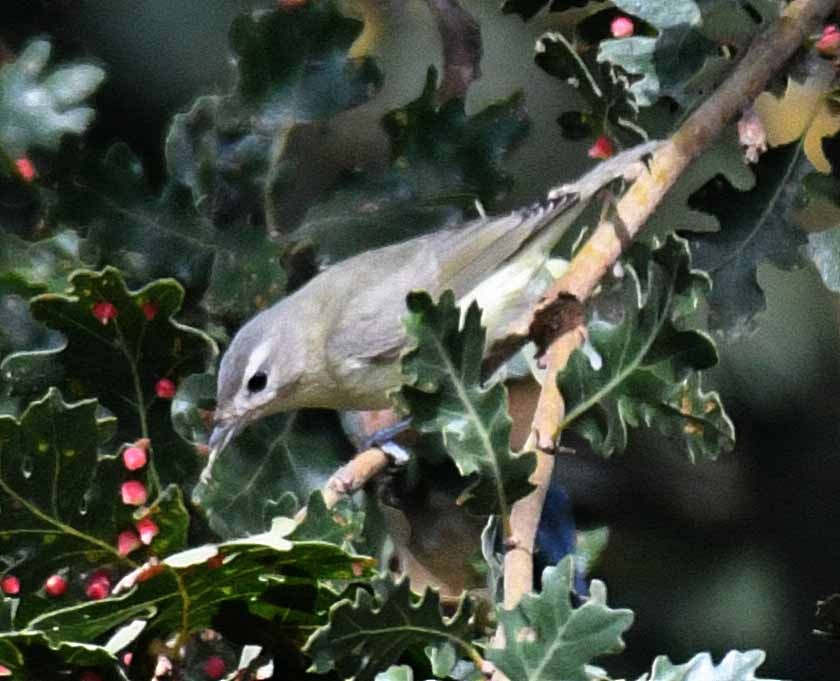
<point x="803" y="110"/>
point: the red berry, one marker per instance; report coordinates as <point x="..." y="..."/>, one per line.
<point x="98" y="586"/>
<point x="26" y="169"/>
<point x="134" y="458"/>
<point x="214" y="667"/>
<point x="134" y="493"/>
<point x="603" y="148"/>
<point x="147" y="529"/>
<point x="150" y="309"/>
<point x="165" y="389"/>
<point x="126" y="542"/>
<point x="829" y="42"/>
<point x="104" y="311"/>
<point x="622" y="27"/>
<point x="10" y="585"/>
<point x="55" y="585"/>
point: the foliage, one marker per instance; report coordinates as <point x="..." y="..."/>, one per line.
<point x="118" y="289"/>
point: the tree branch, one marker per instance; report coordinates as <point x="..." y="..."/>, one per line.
<point x="766" y="55"/>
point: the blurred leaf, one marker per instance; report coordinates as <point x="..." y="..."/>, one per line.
<point x="37" y="111"/>
<point x="828" y="617"/>
<point x="186" y="590"/>
<point x="647" y="365"/>
<point x="736" y="666"/>
<point x="756" y="226"/>
<point x="27" y="268"/>
<point x="547" y="639"/>
<point x="803" y="111"/>
<point x="442" y="160"/>
<point x="269" y="470"/>
<point x="31" y="655"/>
<point x="401" y="673"/>
<point x="444" y="392"/>
<point x="367" y="635"/>
<point x="28" y="354"/>
<point x="294" y="66"/>
<point x="120" y="362"/>
<point x="666" y="62"/>
<point x="340" y="525"/>
<point x="824" y="249"/>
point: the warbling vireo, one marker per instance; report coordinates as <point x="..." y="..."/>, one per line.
<point x="336" y="342"/>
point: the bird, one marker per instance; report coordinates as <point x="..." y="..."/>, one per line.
<point x="335" y="343"/>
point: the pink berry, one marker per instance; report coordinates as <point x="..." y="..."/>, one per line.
<point x="134" y="493"/>
<point x="126" y="542"/>
<point x="10" y="585"/>
<point x="127" y="658"/>
<point x="55" y="585"/>
<point x="98" y="586"/>
<point x="147" y="529"/>
<point x="603" y="148"/>
<point x="165" y="389"/>
<point x="622" y="27"/>
<point x="150" y="309"/>
<point x="829" y="42"/>
<point x="104" y="311"/>
<point x="214" y="667"/>
<point x="134" y="458"/>
<point x="26" y="169"/>
<point x="5" y="671"/>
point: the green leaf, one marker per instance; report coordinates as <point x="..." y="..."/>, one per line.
<point x="27" y="268"/>
<point x="649" y="363"/>
<point x="340" y="525"/>
<point x="186" y="591"/>
<point x="823" y="249"/>
<point x="756" y="226"/>
<point x="32" y="655"/>
<point x="269" y="470"/>
<point x="37" y="111"/>
<point x="442" y="160"/>
<point x="735" y="666"/>
<point x="367" y="635"/>
<point x="444" y="392"/>
<point x="667" y="61"/>
<point x="59" y="501"/>
<point x="546" y="639"/>
<point x="400" y="673"/>
<point x="120" y="362"/>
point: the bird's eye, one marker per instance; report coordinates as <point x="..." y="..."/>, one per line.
<point x="257" y="382"/>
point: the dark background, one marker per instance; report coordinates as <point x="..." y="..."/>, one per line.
<point x="712" y="556"/>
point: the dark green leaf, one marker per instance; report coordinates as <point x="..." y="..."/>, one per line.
<point x="546" y="639"/>
<point x="37" y="111"/>
<point x="28" y="268"/>
<point x="32" y="655"/>
<point x="649" y="364"/>
<point x="121" y="361"/>
<point x="444" y="393"/>
<point x="367" y="635"/>
<point x="735" y="666"/>
<point x="755" y="226"/>
<point x="340" y="525"/>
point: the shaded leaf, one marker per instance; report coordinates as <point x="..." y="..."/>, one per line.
<point x="366" y="635"/>
<point x="756" y="226"/>
<point x="340" y="525"/>
<point x="735" y="666"/>
<point x="546" y="639"/>
<point x="120" y="362"/>
<point x="647" y="363"/>
<point x="38" y="110"/>
<point x="27" y="268"/>
<point x="823" y="249"/>
<point x="31" y="654"/>
<point x="828" y="617"/>
<point x="443" y="390"/>
<point x="400" y="673"/>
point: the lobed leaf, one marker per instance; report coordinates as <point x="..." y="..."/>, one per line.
<point x="649" y="365"/>
<point x="735" y="666"/>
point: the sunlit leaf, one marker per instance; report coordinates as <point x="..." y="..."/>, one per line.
<point x="735" y="666"/>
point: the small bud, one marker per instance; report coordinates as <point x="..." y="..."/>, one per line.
<point x="55" y="586"/>
<point x="134" y="458"/>
<point x="98" y="586"/>
<point x="603" y="148"/>
<point x="622" y="27"/>
<point x="25" y="169"/>
<point x="163" y="666"/>
<point x="214" y="667"/>
<point x="127" y="542"/>
<point x="828" y="43"/>
<point x="134" y="493"/>
<point x="165" y="389"/>
<point x="5" y="671"/>
<point x="104" y="311"/>
<point x="150" y="309"/>
<point x="10" y="585"/>
<point x="127" y="658"/>
<point x="147" y="529"/>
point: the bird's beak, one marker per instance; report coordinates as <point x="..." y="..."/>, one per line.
<point x="223" y="432"/>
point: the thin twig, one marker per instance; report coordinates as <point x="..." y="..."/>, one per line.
<point x="767" y="54"/>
